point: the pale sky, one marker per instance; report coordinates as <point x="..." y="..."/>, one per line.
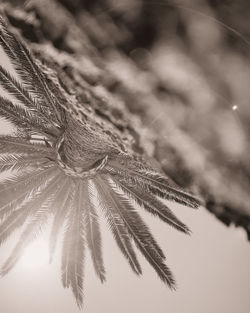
<point x="211" y="267"/>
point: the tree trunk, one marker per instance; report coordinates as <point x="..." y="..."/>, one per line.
<point x="155" y="97"/>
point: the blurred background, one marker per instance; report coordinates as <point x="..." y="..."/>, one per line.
<point x="185" y="68"/>
<point x="174" y="75"/>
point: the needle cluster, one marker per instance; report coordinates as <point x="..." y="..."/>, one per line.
<point x="61" y="167"/>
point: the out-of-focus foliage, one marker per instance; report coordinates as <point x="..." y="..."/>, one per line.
<point x="186" y="66"/>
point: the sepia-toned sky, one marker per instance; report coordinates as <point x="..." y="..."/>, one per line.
<point x="211" y="267"/>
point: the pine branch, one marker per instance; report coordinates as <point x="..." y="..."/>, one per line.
<point x="20" y="183"/>
<point x="28" y="70"/>
<point x="22" y="118"/>
<point x="151" y="204"/>
<point x="117" y="225"/>
<point x="141" y="234"/>
<point x="32" y="205"/>
<point x="21" y="162"/>
<point x="154" y="184"/>
<point x="37" y="210"/>
<point x="93" y="234"/>
<point x="61" y="210"/>
<point x="19" y="145"/>
<point x="14" y="88"/>
<point x="74" y="250"/>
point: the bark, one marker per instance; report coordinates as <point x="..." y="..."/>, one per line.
<point x="139" y="88"/>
